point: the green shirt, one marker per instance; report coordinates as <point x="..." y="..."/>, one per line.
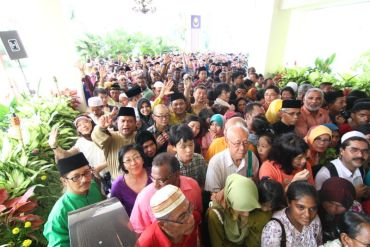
<point x="257" y="219"/>
<point x="56" y="228"/>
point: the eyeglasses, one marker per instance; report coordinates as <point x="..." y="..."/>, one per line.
<point x="292" y="114"/>
<point x="354" y="150"/>
<point x="364" y="244"/>
<point x="78" y="177"/>
<point x="130" y="161"/>
<point x="183" y="217"/>
<point x="325" y="141"/>
<point x="239" y="143"/>
<point x="161" y="181"/>
<point x="162" y="116"/>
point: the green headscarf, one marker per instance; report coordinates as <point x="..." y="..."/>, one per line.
<point x="241" y="195"/>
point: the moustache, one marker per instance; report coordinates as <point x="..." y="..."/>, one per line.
<point x="359" y="159"/>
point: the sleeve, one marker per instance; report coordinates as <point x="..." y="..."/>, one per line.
<point x="211" y="151"/>
<point x="271" y="235"/>
<point x="139" y="217"/>
<point x="146" y="239"/>
<point x="321" y="177"/>
<point x="215" y="228"/>
<point x="157" y="101"/>
<point x="301" y="126"/>
<point x="101" y="137"/>
<point x="56" y="232"/>
<point x="116" y="188"/>
<point x="213" y="175"/>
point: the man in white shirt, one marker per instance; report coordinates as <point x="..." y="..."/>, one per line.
<point x="354" y="153"/>
<point x="235" y="159"/>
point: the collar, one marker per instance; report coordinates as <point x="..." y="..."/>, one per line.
<point x="345" y="170"/>
<point x="222" y="102"/>
<point x="229" y="161"/>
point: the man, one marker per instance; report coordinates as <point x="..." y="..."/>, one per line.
<point x="360" y="114"/>
<point x="191" y="164"/>
<point x="115" y="91"/>
<point x="219" y="144"/>
<point x="123" y="99"/>
<point x="202" y="77"/>
<point x="200" y="99"/>
<point x="335" y="102"/>
<point x="253" y="110"/>
<point x="134" y="94"/>
<point x="157" y="87"/>
<point x="222" y="93"/>
<point x="311" y="112"/>
<point x="289" y="114"/>
<point x="146" y="92"/>
<point x="165" y="170"/>
<point x="112" y="141"/>
<point x="146" y="140"/>
<point x="236" y="80"/>
<point x="354" y="154"/>
<point x="175" y="224"/>
<point x="123" y="82"/>
<point x="326" y="86"/>
<point x="96" y="108"/>
<point x="235" y="159"/>
<point x="178" y="108"/>
<point x="103" y="95"/>
<point x="270" y="94"/>
<point x="81" y="190"/>
<point x="160" y="128"/>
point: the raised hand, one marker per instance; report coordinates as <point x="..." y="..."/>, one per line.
<point x="302" y="175"/>
<point x="105" y="121"/>
<point x="53" y="138"/>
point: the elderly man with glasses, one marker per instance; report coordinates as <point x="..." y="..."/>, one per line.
<point x="165" y="170"/>
<point x="81" y="191"/>
<point x="289" y="115"/>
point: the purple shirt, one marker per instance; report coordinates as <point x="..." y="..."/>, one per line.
<point x="125" y="194"/>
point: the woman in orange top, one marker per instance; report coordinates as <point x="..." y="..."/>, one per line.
<point x="318" y="139"/>
<point x="287" y="161"/>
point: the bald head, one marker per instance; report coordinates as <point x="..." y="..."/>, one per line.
<point x="235" y="122"/>
<point x="159" y="109"/>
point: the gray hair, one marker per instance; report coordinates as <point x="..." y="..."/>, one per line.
<point x="314" y="89"/>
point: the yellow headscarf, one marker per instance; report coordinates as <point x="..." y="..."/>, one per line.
<point x="273" y="110"/>
<point x="315" y="132"/>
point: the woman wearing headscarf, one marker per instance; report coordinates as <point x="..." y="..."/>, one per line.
<point x="318" y="139"/>
<point x="236" y="220"/>
<point x="272" y="113"/>
<point x="144" y="109"/>
<point x="337" y="195"/>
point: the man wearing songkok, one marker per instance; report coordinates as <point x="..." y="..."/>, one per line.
<point x="96" y="108"/>
<point x="175" y="225"/>
<point x="354" y="154"/>
<point x="289" y="114"/>
<point x="134" y="94"/>
<point x="165" y="170"/>
<point x="112" y="141"/>
<point x="81" y="190"/>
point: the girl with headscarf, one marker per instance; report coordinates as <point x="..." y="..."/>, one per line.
<point x="235" y="221"/>
<point x="318" y="139"/>
<point x="144" y="109"/>
<point x="337" y="195"/>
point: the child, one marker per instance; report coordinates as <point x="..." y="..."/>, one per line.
<point x="215" y="130"/>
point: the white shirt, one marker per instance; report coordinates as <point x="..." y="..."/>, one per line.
<point x="343" y="172"/>
<point x="221" y="165"/>
<point x="92" y="152"/>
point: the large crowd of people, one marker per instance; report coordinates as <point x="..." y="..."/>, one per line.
<point x="201" y="150"/>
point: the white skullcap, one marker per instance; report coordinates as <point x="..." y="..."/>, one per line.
<point x="293" y="85"/>
<point x="158" y="84"/>
<point x="122" y="95"/>
<point x="121" y="77"/>
<point x="94" y="101"/>
<point x="351" y="134"/>
<point x="165" y="200"/>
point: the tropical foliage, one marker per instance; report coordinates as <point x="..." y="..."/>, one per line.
<point x="121" y="44"/>
<point x="27" y="163"/>
<point x="358" y="78"/>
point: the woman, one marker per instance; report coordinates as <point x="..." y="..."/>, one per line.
<point x="337" y="196"/>
<point x="195" y="125"/>
<point x="215" y="130"/>
<point x="287" y="161"/>
<point x="144" y="109"/>
<point x="354" y="231"/>
<point x="318" y="139"/>
<point x="135" y="177"/>
<point x="235" y="221"/>
<point x="241" y="105"/>
<point x="84" y="125"/>
<point x="298" y="224"/>
<point x="287" y="93"/>
<point x="264" y="146"/>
